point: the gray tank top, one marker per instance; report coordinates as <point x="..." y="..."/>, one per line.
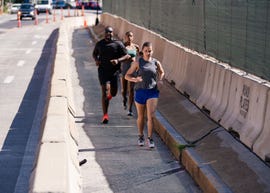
<point x="148" y="72"/>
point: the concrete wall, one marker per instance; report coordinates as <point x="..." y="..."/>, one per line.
<point x="57" y="166"/>
<point x="237" y="100"/>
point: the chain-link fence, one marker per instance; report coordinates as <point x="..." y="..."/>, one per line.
<point x="233" y="31"/>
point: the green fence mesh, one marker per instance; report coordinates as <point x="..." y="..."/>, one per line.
<point x="233" y="31"/>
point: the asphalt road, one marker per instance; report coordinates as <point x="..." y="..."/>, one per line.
<point x="26" y="57"/>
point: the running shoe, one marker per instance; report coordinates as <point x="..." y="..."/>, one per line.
<point x="130" y="113"/>
<point x="150" y="142"/>
<point x="141" y="140"/>
<point x="105" y="119"/>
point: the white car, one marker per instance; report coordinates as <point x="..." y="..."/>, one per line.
<point x="44" y="5"/>
<point x="14" y="8"/>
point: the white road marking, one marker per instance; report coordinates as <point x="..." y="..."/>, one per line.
<point x="21" y="63"/>
<point x="34" y="42"/>
<point x="40" y="37"/>
<point x="28" y="51"/>
<point x="8" y="79"/>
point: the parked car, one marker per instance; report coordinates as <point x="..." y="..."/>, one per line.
<point x="60" y="4"/>
<point x="15" y="8"/>
<point x="43" y="5"/>
<point x="28" y="1"/>
<point x="71" y="4"/>
<point x="27" y="10"/>
<point x="53" y="3"/>
<point x="94" y="5"/>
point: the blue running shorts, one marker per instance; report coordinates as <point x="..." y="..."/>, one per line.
<point x="142" y="95"/>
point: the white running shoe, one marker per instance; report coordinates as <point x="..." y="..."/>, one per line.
<point x="141" y="140"/>
<point x="150" y="142"/>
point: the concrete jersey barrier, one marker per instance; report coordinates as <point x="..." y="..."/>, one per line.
<point x="239" y="102"/>
<point x="57" y="165"/>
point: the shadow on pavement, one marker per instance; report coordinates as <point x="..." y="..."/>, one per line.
<point x="14" y="149"/>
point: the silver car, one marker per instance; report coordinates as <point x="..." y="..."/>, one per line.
<point x="14" y="8"/>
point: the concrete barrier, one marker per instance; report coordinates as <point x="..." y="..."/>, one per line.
<point x="51" y="166"/>
<point x="207" y="86"/>
<point x="57" y="165"/>
<point x="194" y="79"/>
<point x="234" y="99"/>
<point x="57" y="153"/>
<point x="59" y="88"/>
<point x="246" y="108"/>
<point x="221" y="101"/>
<point x="117" y="23"/>
<point x="219" y="91"/>
<point x="108" y="20"/>
<point x="174" y="64"/>
<point x="262" y="143"/>
<point x="147" y="37"/>
<point x="124" y="26"/>
<point x="214" y="96"/>
<point x="160" y="44"/>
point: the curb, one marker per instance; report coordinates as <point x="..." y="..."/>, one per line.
<point x="203" y="174"/>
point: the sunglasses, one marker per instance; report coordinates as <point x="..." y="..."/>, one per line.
<point x="108" y="31"/>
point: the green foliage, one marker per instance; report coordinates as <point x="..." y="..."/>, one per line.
<point x="181" y="147"/>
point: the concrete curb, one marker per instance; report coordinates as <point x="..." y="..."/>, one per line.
<point x="202" y="173"/>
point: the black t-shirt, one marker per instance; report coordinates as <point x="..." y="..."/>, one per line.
<point x="105" y="51"/>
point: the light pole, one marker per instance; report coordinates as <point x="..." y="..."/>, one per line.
<point x="97" y="20"/>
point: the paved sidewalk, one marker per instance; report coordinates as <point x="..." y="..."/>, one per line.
<point x="120" y="166"/>
<point x="114" y="161"/>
